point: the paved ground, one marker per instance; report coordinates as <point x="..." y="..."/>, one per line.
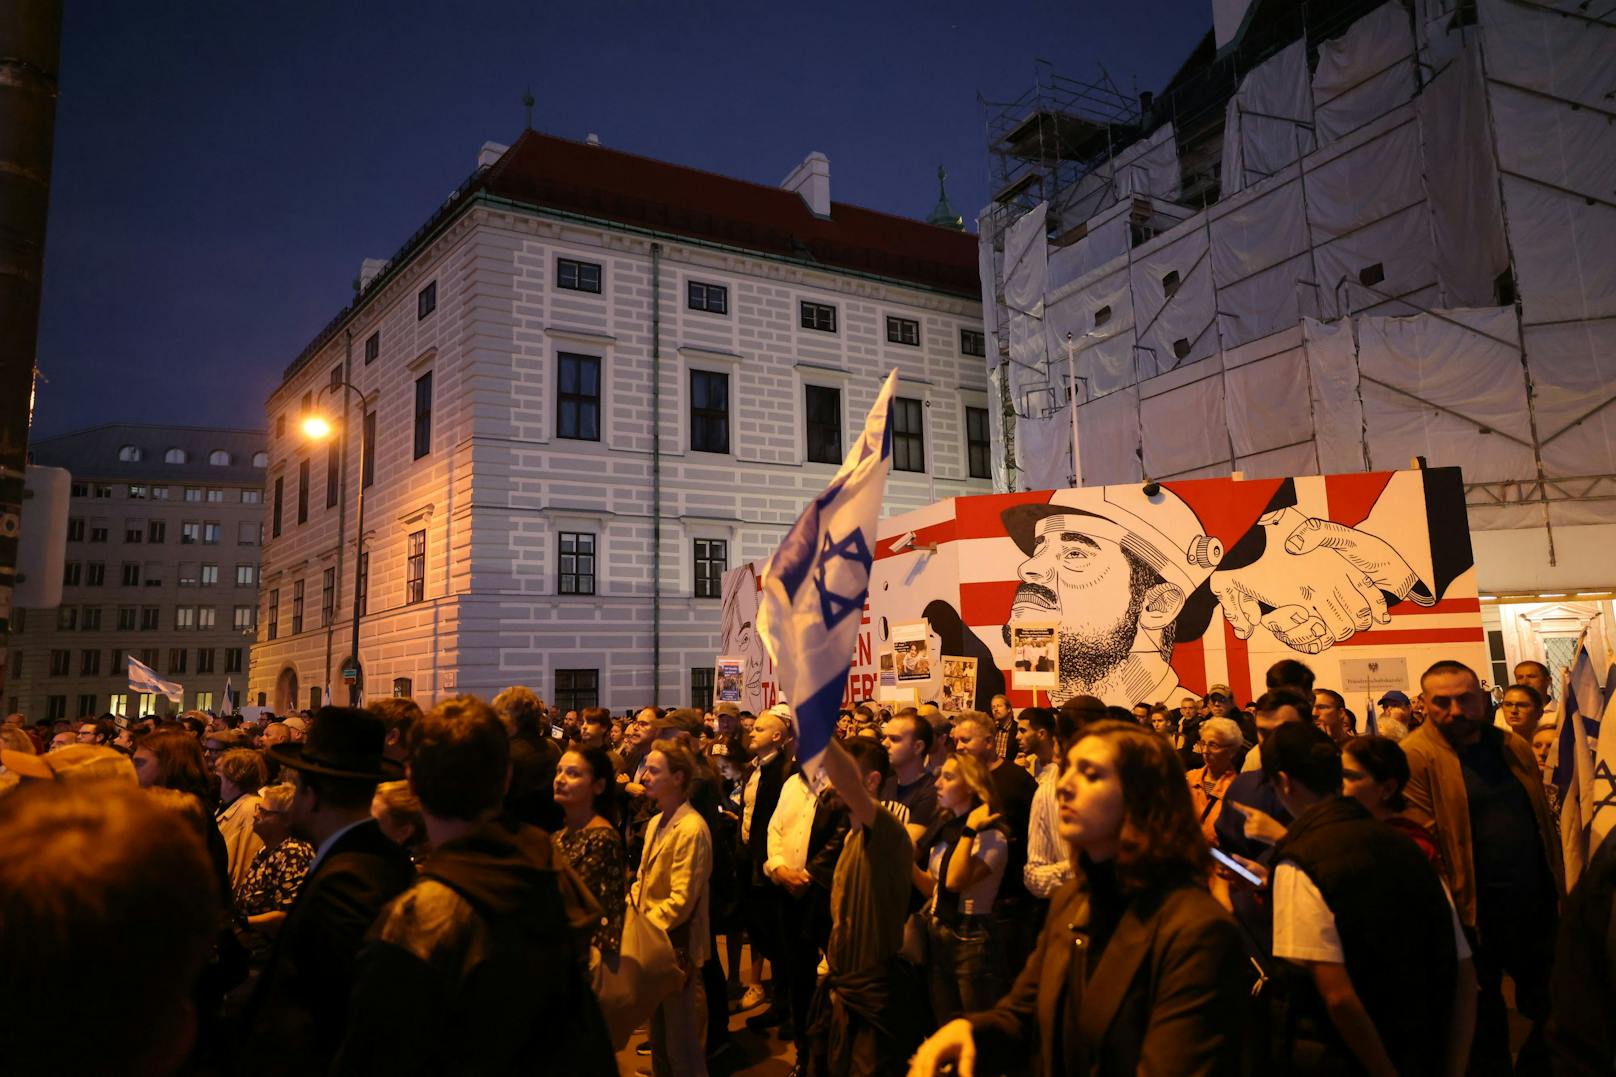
<point x="766" y="1056"/>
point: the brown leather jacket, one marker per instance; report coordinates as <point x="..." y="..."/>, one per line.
<point x="1436" y="797"/>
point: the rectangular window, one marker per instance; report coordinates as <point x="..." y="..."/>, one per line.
<point x="243" y="619"/>
<point x="204" y="660"/>
<point x="149" y="657"/>
<point x="87" y="705"/>
<point x="297" y="607"/>
<point x="701" y="687"/>
<point x="823" y="412"/>
<point x="55" y="708"/>
<point x="373" y="347"/>
<point x="908" y="435"/>
<point x="333" y="460"/>
<point x="216" y="495"/>
<point x="973" y="342"/>
<point x="193" y="493"/>
<point x="402" y="688"/>
<point x="903" y="331"/>
<point x="190" y="532"/>
<point x="577" y="563"/>
<point x="336" y="377"/>
<point x="103" y="490"/>
<point x="117" y="662"/>
<point x="151" y="575"/>
<point x="712" y="298"/>
<point x="210" y="575"/>
<point x="247" y="534"/>
<point x="426" y="301"/>
<point x="204" y="700"/>
<point x="252" y="497"/>
<point x="95" y="573"/>
<point x="75" y="529"/>
<point x="157" y="531"/>
<point x="576" y="276"/>
<point x="91" y="619"/>
<point x="578" y="397"/>
<point x="126" y="618"/>
<point x="146" y="704"/>
<point x="232" y="659"/>
<point x="362" y="581"/>
<point x="206" y="617"/>
<point x="118" y="703"/>
<point x="79" y="489"/>
<point x="210" y="533"/>
<point x="246" y="575"/>
<point x="712" y="558"/>
<point x="369" y="435"/>
<point x="131" y="574"/>
<point x="72" y="573"/>
<point x="159" y="493"/>
<point x="275" y="512"/>
<point x="978" y="443"/>
<point x="576" y="689"/>
<point x="134" y="531"/>
<point x="303" y="492"/>
<point x="709" y="411"/>
<point x="328" y="590"/>
<point x="137" y="492"/>
<point x="98" y="531"/>
<point x="415" y="568"/>
<point x="184" y="617"/>
<point x="151" y="619"/>
<point x="187" y="574"/>
<point x="61" y="663"/>
<point x="423" y="415"/>
<point x="820" y="316"/>
<point x="272" y="614"/>
<point x="67" y="618"/>
<point x="176" y="660"/>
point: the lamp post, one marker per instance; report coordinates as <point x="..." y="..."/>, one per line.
<point x="318" y="428"/>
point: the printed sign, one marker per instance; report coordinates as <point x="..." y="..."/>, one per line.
<point x="1373" y="675"/>
<point x="1034" y="654"/>
<point x="729" y="678"/>
<point x="910" y="654"/>
<point x="959" y="684"/>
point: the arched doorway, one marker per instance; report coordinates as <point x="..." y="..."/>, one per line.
<point x="286" y="691"/>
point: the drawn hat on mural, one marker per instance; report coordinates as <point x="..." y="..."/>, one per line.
<point x="1157" y="528"/>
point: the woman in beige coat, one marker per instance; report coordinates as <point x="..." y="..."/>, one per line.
<point x="671" y="892"/>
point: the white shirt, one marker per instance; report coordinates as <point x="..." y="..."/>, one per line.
<point x="1048" y="866"/>
<point x="1304" y="926"/>
<point x="790" y="826"/>
<point x="749" y="796"/>
<point x="325" y="846"/>
<point x="992" y="849"/>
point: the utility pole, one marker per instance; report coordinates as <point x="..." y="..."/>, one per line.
<point x="30" y="51"/>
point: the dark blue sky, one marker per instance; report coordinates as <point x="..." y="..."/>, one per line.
<point x="222" y="168"/>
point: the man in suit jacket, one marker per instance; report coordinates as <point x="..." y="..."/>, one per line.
<point x="772" y="766"/>
<point x="296" y="1018"/>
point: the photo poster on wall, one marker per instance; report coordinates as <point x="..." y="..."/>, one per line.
<point x="1034" y="654"/>
<point x="913" y="659"/>
<point x="959" y="684"/>
<point x="889" y="690"/>
<point x="728" y="674"/>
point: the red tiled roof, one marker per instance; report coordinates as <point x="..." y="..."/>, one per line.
<point x="594" y="181"/>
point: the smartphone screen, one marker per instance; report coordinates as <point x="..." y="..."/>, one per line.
<point x="1237" y="867"/>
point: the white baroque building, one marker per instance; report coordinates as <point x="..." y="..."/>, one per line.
<point x="593" y="382"/>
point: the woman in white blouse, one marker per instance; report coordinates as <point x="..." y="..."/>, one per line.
<point x="671" y="891"/>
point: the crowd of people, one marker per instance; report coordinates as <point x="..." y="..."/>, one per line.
<point x="1178" y="887"/>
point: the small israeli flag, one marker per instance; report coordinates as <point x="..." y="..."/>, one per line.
<point x="813" y="588"/>
<point x="142" y="678"/>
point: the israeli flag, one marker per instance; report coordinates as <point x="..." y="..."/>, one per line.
<point x="229" y="699"/>
<point x="1582" y="705"/>
<point x="142" y="678"/>
<point x="814" y="587"/>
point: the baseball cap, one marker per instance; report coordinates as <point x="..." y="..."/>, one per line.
<point x="1394" y="697"/>
<point x="1219" y="690"/>
<point x="72" y="763"/>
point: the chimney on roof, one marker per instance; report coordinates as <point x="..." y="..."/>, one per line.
<point x="811" y="180"/>
<point x="369" y="270"/>
<point x="592" y="140"/>
<point x="490" y="153"/>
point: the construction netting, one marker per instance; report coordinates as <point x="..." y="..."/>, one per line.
<point x="1414" y="253"/>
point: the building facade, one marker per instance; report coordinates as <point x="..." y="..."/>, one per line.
<point x="591" y="384"/>
<point x="161" y="564"/>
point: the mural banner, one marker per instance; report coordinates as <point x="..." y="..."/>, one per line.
<point x="1159" y="590"/>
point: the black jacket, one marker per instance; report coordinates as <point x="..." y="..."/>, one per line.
<point x="481" y="967"/>
<point x="295" y="1020"/>
<point x="771" y="780"/>
<point x="532" y="794"/>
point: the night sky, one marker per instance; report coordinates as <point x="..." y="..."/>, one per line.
<point x="221" y="169"/>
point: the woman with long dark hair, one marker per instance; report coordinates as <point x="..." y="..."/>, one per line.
<point x="585" y="787"/>
<point x="1138" y="969"/>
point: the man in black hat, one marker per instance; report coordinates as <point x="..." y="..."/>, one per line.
<point x="295" y="1021"/>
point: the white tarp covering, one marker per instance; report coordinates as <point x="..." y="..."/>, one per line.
<point x="1044" y="451"/>
<point x="1262" y="130"/>
<point x="1185" y="426"/>
<point x="1228" y="16"/>
<point x="1171" y="278"/>
<point x="1108" y="438"/>
<point x="987" y="259"/>
<point x="1364" y="73"/>
<point x="1026" y="263"/>
<point x="1332" y="367"/>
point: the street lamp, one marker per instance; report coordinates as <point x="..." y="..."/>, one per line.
<point x="319" y="428"/>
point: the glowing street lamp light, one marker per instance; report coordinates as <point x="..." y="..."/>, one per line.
<point x="319" y="428"/>
<point x="316" y="428"/>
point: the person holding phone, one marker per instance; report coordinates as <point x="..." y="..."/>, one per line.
<point x="1138" y="969"/>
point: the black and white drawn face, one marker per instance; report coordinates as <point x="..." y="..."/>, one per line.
<point x="740" y="634"/>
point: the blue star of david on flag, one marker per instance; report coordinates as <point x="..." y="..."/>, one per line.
<point x="818" y="579"/>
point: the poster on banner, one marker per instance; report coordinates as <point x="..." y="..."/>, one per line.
<point x="729" y="677"/>
<point x="1034" y="654"/>
<point x="959" y="684"/>
<point x="910" y="651"/>
<point x="1164" y="589"/>
<point x="890" y="690"/>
